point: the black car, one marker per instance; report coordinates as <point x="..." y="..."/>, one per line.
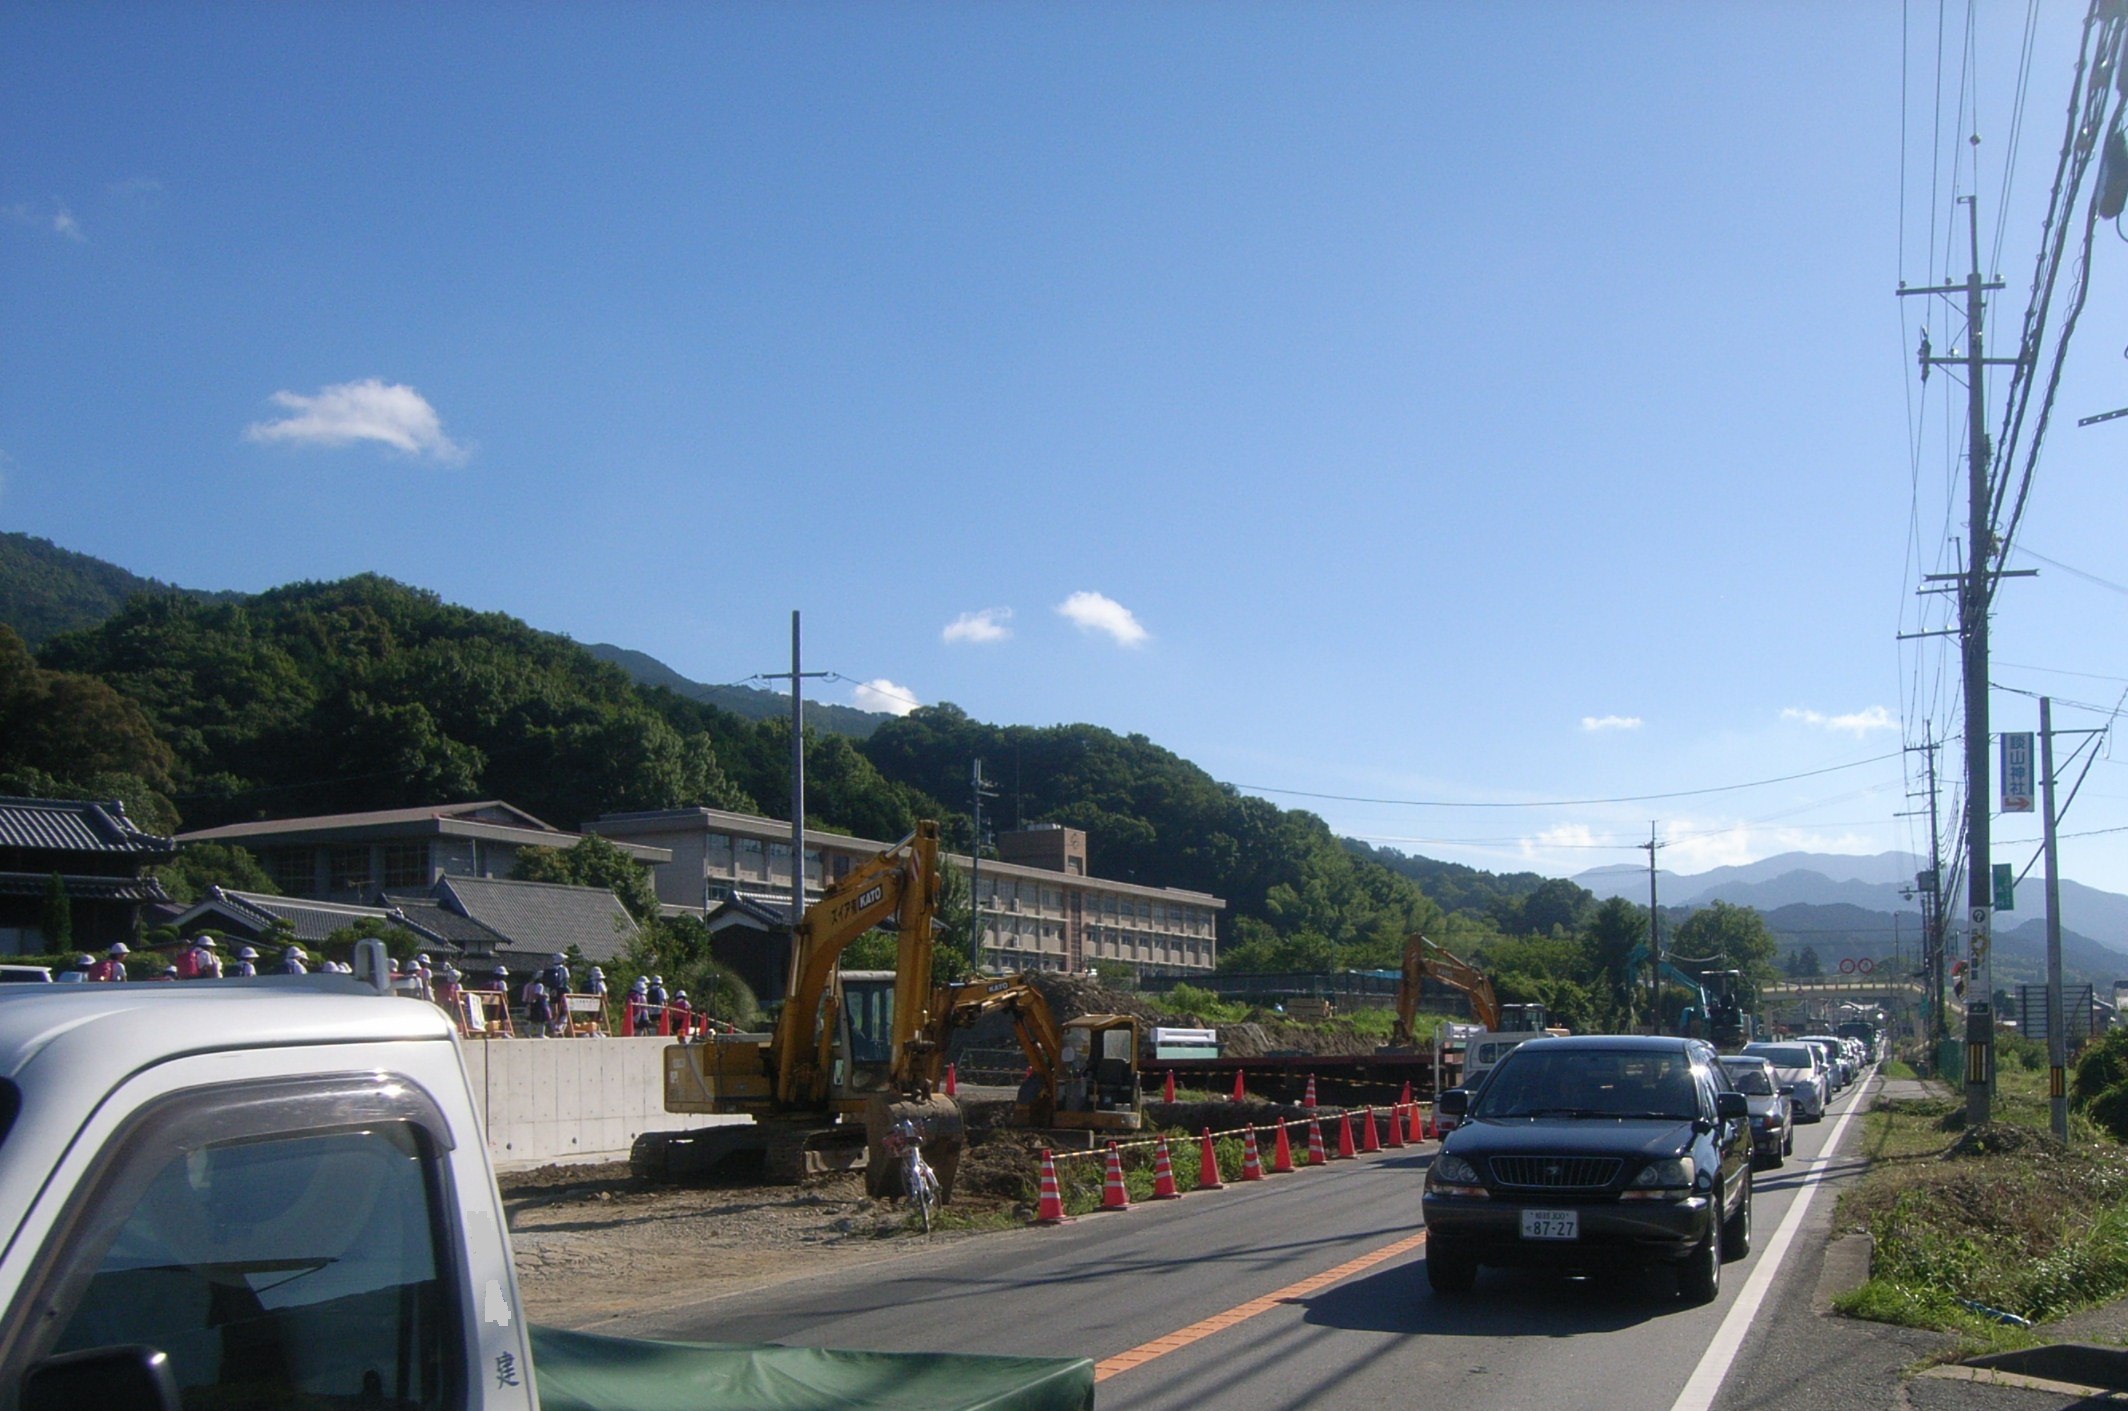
<point x="1588" y="1153"/>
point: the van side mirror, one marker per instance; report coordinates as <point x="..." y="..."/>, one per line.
<point x="1453" y="1103"/>
<point x="124" y="1378"/>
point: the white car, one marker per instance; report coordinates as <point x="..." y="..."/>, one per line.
<point x="1802" y="1072"/>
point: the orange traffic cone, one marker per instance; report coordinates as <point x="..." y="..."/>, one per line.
<point x="1395" y="1130"/>
<point x="1308" y="1098"/>
<point x="953" y="1082"/>
<point x="1404" y="1098"/>
<point x="1345" y="1150"/>
<point x="1240" y="1093"/>
<point x="1316" y="1157"/>
<point x="1208" y="1166"/>
<point x="1113" y="1195"/>
<point x="1433" y="1123"/>
<point x="1163" y="1174"/>
<point x="1251" y="1164"/>
<point x="1050" y="1209"/>
<point x="1167" y="1092"/>
<point x="1418" y="1127"/>
<point x="1370" y="1139"/>
<point x="1281" y="1153"/>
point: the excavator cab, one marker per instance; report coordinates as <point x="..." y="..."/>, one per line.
<point x="1097" y="1074"/>
<point x="864" y="1052"/>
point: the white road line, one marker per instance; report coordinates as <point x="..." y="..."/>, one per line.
<point x="1714" y="1364"/>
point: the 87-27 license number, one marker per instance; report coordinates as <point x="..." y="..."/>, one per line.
<point x="1551" y="1224"/>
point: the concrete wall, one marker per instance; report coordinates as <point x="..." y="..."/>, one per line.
<point x="566" y="1099"/>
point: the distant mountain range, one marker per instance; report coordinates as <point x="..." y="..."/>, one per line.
<point x="747" y="702"/>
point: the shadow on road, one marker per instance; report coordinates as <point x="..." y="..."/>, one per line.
<point x="1506" y="1303"/>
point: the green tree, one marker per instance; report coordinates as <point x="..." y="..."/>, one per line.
<point x="1727" y="937"/>
<point x="1612" y="933"/>
<point x="199" y="866"/>
<point x="592" y="862"/>
<point x="56" y="921"/>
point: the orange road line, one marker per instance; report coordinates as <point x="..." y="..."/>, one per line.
<point x="1242" y="1312"/>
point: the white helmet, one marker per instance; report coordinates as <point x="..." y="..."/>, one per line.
<point x="246" y="953"/>
<point x="119" y="948"/>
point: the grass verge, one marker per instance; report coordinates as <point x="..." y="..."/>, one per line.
<point x="2000" y="1220"/>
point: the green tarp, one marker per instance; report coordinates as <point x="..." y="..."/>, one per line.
<point x="585" y="1372"/>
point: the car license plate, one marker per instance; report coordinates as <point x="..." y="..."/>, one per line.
<point x="1551" y="1224"/>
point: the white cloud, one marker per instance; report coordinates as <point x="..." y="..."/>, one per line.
<point x="369" y="410"/>
<point x="58" y="219"/>
<point x="882" y="694"/>
<point x="1566" y="835"/>
<point x="1610" y="722"/>
<point x="981" y="628"/>
<point x="1857" y="723"/>
<point x="1097" y="612"/>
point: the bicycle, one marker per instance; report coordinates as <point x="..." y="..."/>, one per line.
<point x="919" y="1183"/>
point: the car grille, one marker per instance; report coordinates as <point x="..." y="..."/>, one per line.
<point x="1556" y="1173"/>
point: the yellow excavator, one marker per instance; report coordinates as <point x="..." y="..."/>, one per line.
<point x="1082" y="1075"/>
<point x="847" y="1045"/>
<point x="1423" y="959"/>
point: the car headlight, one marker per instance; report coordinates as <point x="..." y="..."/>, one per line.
<point x="1453" y="1171"/>
<point x="1663" y="1180"/>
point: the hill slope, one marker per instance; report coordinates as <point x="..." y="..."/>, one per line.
<point x="746" y="702"/>
<point x="46" y="590"/>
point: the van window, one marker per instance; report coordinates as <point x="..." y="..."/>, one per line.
<point x="300" y="1269"/>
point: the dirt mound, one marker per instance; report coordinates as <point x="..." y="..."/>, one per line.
<point x="1070" y="996"/>
<point x="1994" y="1138"/>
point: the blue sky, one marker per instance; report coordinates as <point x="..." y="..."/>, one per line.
<point x="1490" y="406"/>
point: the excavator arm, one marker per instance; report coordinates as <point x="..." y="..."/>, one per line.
<point x="1034" y="1026"/>
<point x="902" y="883"/>
<point x="1422" y="958"/>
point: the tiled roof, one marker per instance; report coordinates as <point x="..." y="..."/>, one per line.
<point x="76" y="825"/>
<point x="485" y="811"/>
<point x="769" y="913"/>
<point x="543" y="916"/>
<point x="313" y="921"/>
<point x="80" y="888"/>
<point x="490" y="818"/>
<point x="422" y="909"/>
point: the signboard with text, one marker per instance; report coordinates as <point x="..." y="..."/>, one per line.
<point x="2016" y="771"/>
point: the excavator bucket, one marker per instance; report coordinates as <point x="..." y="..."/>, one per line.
<point x="938" y="1118"/>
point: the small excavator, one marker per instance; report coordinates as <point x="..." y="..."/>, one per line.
<point x="1506" y="1026"/>
<point x="847" y="1045"/>
<point x="1082" y="1075"/>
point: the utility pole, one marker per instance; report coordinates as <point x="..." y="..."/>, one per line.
<point x="798" y="679"/>
<point x="2057" y="1040"/>
<point x="1654" y="938"/>
<point x="1974" y="591"/>
<point x="978" y="789"/>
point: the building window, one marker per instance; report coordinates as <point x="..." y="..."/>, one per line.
<point x="406" y="864"/>
<point x="717" y="855"/>
<point x="751" y="864"/>
<point x="347" y="869"/>
<point x="812" y="865"/>
<point x="293" y="870"/>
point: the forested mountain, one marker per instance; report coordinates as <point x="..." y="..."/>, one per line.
<point x="46" y="590"/>
<point x="1523" y="902"/>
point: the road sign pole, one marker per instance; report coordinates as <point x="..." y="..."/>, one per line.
<point x="2057" y="1035"/>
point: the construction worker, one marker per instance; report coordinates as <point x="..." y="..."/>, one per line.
<point x="112" y="970"/>
<point x="640" y="1019"/>
<point x="683" y="1013"/>
<point x="424" y="976"/>
<point x="294" y="961"/>
<point x="447" y="988"/>
<point x="595" y="983"/>
<point x="247" y="963"/>
<point x="538" y="1012"/>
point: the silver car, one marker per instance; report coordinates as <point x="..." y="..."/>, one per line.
<point x="1772" y="1109"/>
<point x="1799" y="1069"/>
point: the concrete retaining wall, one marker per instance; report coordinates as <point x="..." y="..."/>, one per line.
<point x="567" y="1099"/>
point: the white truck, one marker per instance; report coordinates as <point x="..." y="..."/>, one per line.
<point x="275" y="1193"/>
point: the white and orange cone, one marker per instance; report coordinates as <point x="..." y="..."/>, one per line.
<point x="1163" y="1174"/>
<point x="1307" y="1100"/>
<point x="1050" y="1209"/>
<point x="1113" y="1194"/>
<point x="1251" y="1164"/>
<point x="1395" y="1130"/>
<point x="1316" y="1155"/>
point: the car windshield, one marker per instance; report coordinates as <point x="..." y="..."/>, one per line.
<point x="1750" y="1081"/>
<point x="1785" y="1055"/>
<point x="1545" y="1082"/>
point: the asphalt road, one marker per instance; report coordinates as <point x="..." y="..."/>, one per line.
<point x="1111" y="1283"/>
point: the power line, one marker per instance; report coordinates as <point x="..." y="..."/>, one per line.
<point x="1571" y="803"/>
